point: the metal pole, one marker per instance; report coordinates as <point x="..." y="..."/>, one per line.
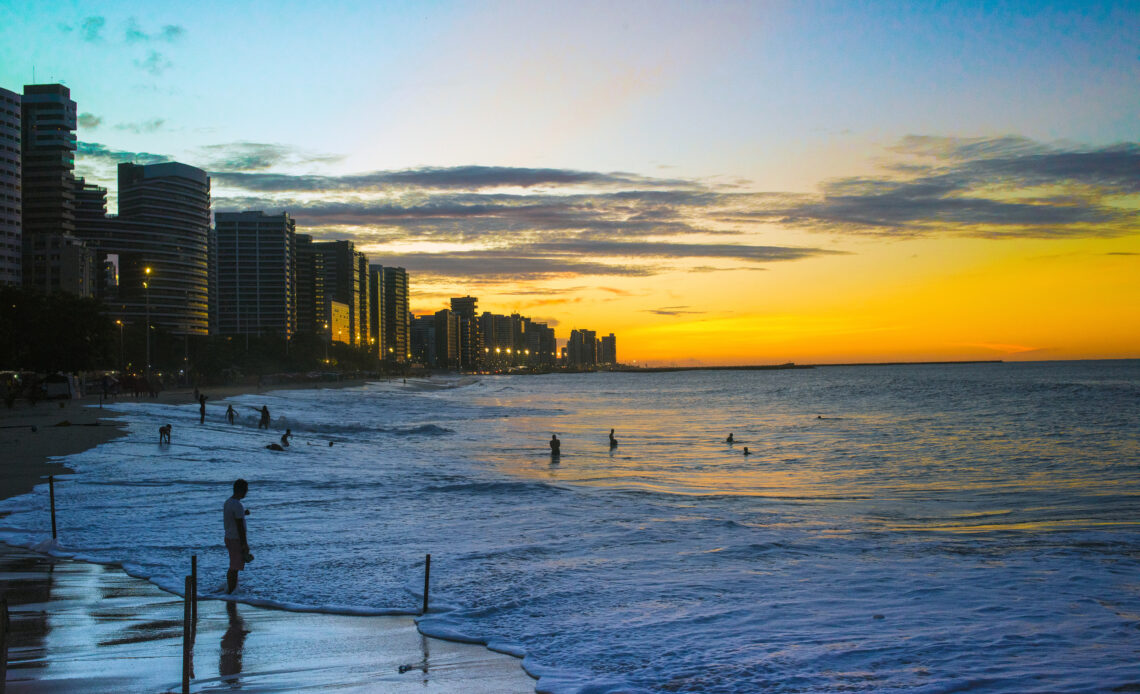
<point x="427" y="581"/>
<point x="186" y="651"/>
<point x="146" y="290"/>
<point x="51" y="493"/>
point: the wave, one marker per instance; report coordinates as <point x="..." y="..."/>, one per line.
<point x="496" y="488"/>
<point x="348" y="428"/>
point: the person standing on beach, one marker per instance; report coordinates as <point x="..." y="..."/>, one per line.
<point x="613" y="441"/>
<point x="264" y="423"/>
<point x="237" y="543"/>
<point x="555" y="446"/>
<point x="230" y="414"/>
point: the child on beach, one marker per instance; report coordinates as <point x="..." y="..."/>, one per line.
<point x="164" y="434"/>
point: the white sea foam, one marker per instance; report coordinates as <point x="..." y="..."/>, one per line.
<point x="941" y="528"/>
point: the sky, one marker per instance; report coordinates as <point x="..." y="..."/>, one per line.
<point x="714" y="182"/>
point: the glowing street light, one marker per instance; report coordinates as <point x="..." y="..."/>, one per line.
<point x="146" y="291"/>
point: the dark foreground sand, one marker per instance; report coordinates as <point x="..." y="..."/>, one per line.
<point x="78" y="627"/>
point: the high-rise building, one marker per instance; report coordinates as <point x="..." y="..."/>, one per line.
<point x="607" y="353"/>
<point x="159" y="244"/>
<point x="376" y="341"/>
<point x="582" y="348"/>
<point x="256" y="269"/>
<point x="395" y="317"/>
<point x="446" y="339"/>
<point x="422" y="341"/>
<point x="340" y="271"/>
<point x="470" y="340"/>
<point x="11" y="231"/>
<point x="53" y="258"/>
<point x="311" y="316"/>
<point x="540" y="344"/>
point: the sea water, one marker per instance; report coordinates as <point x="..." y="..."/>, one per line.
<point x="905" y="528"/>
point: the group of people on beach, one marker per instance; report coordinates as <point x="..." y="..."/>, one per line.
<point x="556" y="444"/>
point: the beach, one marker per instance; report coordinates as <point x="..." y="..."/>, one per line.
<point x="78" y="626"/>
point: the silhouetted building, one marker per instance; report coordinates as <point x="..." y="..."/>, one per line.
<point x="394" y="316"/>
<point x="446" y="339"/>
<point x="582" y="349"/>
<point x="540" y="346"/>
<point x="607" y="351"/>
<point x="362" y="310"/>
<point x="422" y="341"/>
<point x="164" y="225"/>
<point x="311" y="315"/>
<point x="256" y="270"/>
<point x="340" y="270"/>
<point x="11" y="230"/>
<point x="53" y="258"/>
<point x="470" y="340"/>
<point x="339" y="322"/>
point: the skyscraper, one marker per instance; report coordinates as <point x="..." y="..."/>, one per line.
<point x="11" y="234"/>
<point x="376" y="341"/>
<point x="340" y="272"/>
<point x="257" y="273"/>
<point x="607" y="354"/>
<point x="446" y="339"/>
<point x="163" y="225"/>
<point x="396" y="319"/>
<point x="311" y="316"/>
<point x="470" y="342"/>
<point x="53" y="258"/>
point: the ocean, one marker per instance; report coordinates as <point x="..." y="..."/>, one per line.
<point x="925" y="528"/>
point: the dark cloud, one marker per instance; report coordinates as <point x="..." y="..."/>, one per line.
<point x="155" y="63"/>
<point x="228" y="159"/>
<point x="456" y="177"/>
<point x="1007" y="187"/>
<point x="91" y="29"/>
<point x="97" y="153"/>
<point x="89" y="121"/>
<point x="509" y="266"/>
<point x="148" y="126"/>
<point x="674" y="311"/>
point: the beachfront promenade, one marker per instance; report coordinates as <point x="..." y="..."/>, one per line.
<point x="79" y="627"/>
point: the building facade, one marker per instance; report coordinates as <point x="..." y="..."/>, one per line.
<point x="54" y="259"/>
<point x="256" y="273"/>
<point x="470" y="340"/>
<point x="159" y="246"/>
<point x="11" y="229"/>
<point x="395" y="319"/>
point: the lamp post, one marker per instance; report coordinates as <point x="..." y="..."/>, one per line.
<point x="328" y="339"/>
<point x="122" y="364"/>
<point x="146" y="291"/>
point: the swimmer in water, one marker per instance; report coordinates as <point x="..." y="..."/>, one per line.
<point x="285" y="437"/>
<point x="746" y="451"/>
<point x="555" y="446"/>
<point x="230" y="414"/>
<point x="613" y="441"/>
<point x="729" y="439"/>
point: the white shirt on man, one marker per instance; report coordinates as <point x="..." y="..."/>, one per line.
<point x="233" y="511"/>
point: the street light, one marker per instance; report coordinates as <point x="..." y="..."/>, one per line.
<point x="122" y="364"/>
<point x="146" y="291"/>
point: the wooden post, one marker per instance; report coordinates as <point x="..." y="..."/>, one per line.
<point x="51" y="493"/>
<point x="186" y="657"/>
<point x="427" y="581"/>
<point x="194" y="599"/>
<point x="5" y="627"/>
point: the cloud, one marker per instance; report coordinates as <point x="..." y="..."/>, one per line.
<point x="155" y="63"/>
<point x="97" y="153"/>
<point x="509" y="266"/>
<point x="148" y="126"/>
<point x="237" y="157"/>
<point x="89" y="121"/>
<point x="435" y="178"/>
<point x="91" y="29"/>
<point x="1006" y="187"/>
<point x="133" y="33"/>
<point x="674" y="311"/>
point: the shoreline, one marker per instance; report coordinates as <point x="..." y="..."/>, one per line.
<point x="37" y="441"/>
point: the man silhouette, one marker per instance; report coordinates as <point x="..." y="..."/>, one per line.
<point x="236" y="541"/>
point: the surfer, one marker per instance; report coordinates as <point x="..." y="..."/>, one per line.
<point x="613" y="441"/>
<point x="230" y="414"/>
<point x="285" y="437"/>
<point x="555" y="446"/>
<point x="275" y="447"/>
<point x="729" y="439"/>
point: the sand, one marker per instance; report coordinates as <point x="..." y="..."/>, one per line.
<point x="79" y="627"/>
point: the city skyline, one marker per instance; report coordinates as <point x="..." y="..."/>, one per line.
<point x="742" y="183"/>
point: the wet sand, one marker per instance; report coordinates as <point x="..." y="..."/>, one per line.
<point x="79" y="627"/>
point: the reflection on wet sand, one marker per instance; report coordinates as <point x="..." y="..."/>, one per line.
<point x="80" y="627"/>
